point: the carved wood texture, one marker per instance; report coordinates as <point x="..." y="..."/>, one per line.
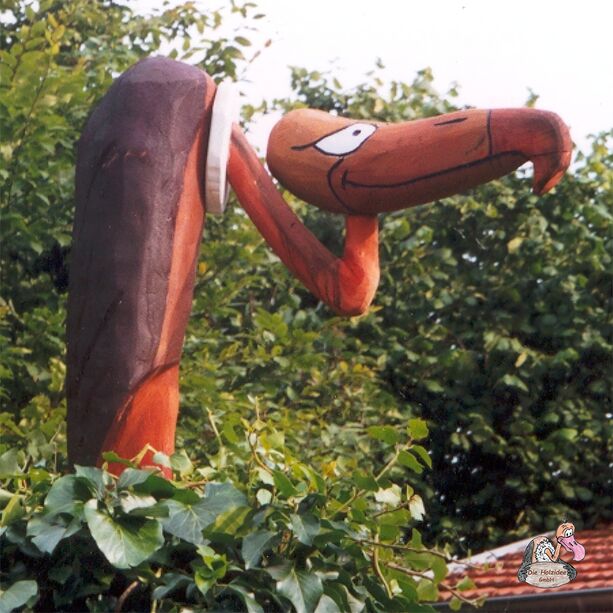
<point x="138" y="224"/>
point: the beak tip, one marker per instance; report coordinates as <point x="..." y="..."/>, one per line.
<point x="548" y="170"/>
<point x="541" y="137"/>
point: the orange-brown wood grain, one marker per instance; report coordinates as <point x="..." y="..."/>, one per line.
<point x="149" y="419"/>
<point x="186" y="244"/>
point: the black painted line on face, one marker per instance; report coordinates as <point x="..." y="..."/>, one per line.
<point x="329" y="179"/>
<point x="450" y="121"/>
<point x="303" y="147"/>
<point x="431" y="175"/>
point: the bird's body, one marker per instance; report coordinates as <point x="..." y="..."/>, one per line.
<point x="544" y="551"/>
<point x="137" y="230"/>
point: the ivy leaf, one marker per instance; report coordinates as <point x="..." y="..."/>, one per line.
<point x="344" y="599"/>
<point x="284" y="485"/>
<point x="96" y="479"/>
<point x="48" y="531"/>
<point x="303" y="589"/>
<point x="219" y="497"/>
<point x="125" y="542"/>
<point x="263" y="496"/>
<point x="204" y="581"/>
<point x="305" y="527"/>
<point x="187" y="520"/>
<point x="170" y="583"/>
<point x="17" y="595"/>
<point x="9" y="463"/>
<point x="132" y="476"/>
<point x="131" y="502"/>
<point x="230" y="521"/>
<point x="67" y="495"/>
<point x="247" y="597"/>
<point x="181" y="463"/>
<point x="327" y="605"/>
<point x="254" y="545"/>
<point x="156" y="486"/>
<point x="13" y="511"/>
<point x="161" y="459"/>
<point x="112" y="458"/>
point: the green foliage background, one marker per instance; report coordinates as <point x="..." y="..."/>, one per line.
<point x="492" y="325"/>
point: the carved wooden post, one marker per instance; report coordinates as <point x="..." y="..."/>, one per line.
<point x="137" y="230"/>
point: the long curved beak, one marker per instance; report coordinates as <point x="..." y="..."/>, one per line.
<point x="573" y="546"/>
<point x="417" y="162"/>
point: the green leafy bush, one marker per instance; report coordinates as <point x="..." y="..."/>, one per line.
<point x="289" y="537"/>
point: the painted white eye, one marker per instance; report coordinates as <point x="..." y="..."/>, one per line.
<point x="568" y="532"/>
<point x="346" y="140"/>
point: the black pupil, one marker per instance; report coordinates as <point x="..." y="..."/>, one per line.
<point x="356" y="132"/>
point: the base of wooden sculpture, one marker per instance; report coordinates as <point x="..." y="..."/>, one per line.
<point x="149" y="419"/>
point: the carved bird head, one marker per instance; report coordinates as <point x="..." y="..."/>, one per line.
<point x="365" y="167"/>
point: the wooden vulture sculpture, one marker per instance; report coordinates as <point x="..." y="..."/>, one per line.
<point x="140" y="191"/>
